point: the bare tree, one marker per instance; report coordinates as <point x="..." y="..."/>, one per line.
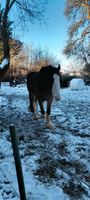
<point x="78" y="43"/>
<point x="26" y="11"/>
<point x="40" y="57"/>
<point x="19" y="62"/>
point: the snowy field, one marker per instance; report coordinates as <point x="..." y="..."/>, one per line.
<point x="56" y="163"/>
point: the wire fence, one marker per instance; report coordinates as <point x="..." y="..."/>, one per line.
<point x="9" y="182"/>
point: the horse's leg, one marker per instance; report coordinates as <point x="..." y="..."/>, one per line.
<point x="48" y="120"/>
<point x="36" y="116"/>
<point x="41" y="107"/>
<point x="31" y="100"/>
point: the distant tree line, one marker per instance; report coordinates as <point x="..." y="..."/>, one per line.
<point x="26" y="59"/>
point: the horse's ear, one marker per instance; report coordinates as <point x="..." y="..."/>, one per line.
<point x="59" y="67"/>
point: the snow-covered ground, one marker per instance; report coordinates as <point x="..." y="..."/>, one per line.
<point x="55" y="163"/>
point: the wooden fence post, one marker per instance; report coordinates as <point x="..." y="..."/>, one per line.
<point x="20" y="179"/>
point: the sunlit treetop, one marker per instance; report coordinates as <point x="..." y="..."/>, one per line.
<point x="86" y="4"/>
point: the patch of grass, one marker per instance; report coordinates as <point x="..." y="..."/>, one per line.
<point x="74" y="189"/>
<point x="46" y="171"/>
<point x="62" y="149"/>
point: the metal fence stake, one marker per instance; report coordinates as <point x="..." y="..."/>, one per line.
<point x="19" y="172"/>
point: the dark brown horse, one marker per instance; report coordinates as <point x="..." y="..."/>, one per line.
<point x="44" y="86"/>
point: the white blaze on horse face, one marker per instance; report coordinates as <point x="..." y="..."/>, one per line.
<point x="56" y="87"/>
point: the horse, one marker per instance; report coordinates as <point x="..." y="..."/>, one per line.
<point x="44" y="85"/>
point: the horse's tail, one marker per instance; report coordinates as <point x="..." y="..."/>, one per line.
<point x="28" y="81"/>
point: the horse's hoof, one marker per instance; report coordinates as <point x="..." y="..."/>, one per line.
<point x="36" y="117"/>
<point x="30" y="110"/>
<point x="44" y="116"/>
<point x="50" y="126"/>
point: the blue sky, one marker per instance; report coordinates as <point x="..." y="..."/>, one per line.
<point x="52" y="34"/>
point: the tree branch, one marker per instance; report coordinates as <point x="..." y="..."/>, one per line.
<point x="11" y="4"/>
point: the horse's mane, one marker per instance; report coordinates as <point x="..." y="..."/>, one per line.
<point x="46" y="69"/>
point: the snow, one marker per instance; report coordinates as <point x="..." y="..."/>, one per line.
<point x="4" y="62"/>
<point x="77" y="84"/>
<point x="52" y="160"/>
<point x="1" y="197"/>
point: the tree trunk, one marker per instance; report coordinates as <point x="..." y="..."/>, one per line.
<point x="6" y="48"/>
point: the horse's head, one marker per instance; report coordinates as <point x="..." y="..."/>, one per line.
<point x="56" y="83"/>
